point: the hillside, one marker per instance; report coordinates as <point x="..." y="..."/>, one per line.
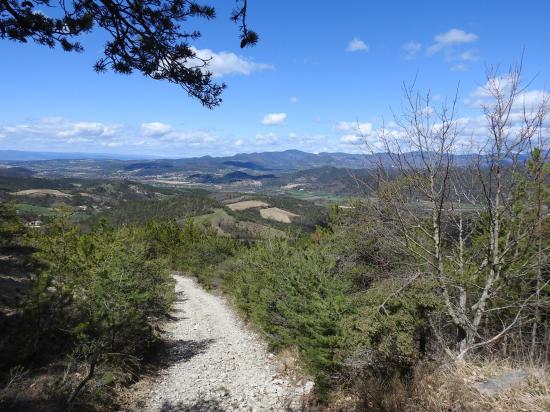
<point x="244" y="171"/>
<point x="39" y="198"/>
<point x="324" y="179"/>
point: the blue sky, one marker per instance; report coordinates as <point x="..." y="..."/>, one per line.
<point x="319" y="69"/>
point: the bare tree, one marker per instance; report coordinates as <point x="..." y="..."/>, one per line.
<point x="466" y="221"/>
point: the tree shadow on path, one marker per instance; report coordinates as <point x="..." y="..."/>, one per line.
<point x="201" y="405"/>
<point x="176" y="351"/>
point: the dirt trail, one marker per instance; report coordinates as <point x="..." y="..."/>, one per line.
<point x="219" y="365"/>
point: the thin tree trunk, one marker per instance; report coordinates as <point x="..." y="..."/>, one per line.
<point x="83" y="382"/>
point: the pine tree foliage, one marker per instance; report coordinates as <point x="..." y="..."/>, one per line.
<point x="10" y="225"/>
<point x="293" y="296"/>
<point x="147" y="36"/>
<point x="101" y="292"/>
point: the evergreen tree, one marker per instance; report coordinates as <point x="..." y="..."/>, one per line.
<point x="10" y="224"/>
<point x="145" y="36"/>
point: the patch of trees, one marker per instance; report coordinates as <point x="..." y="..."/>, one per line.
<point x="443" y="260"/>
<point x="480" y="232"/>
<point x="292" y="295"/>
<point x="175" y="207"/>
<point x="93" y="303"/>
<point x="11" y="226"/>
<point x="326" y="179"/>
<point x="231" y="177"/>
<point x="190" y="248"/>
<point x="322" y="295"/>
<point x="96" y="298"/>
<point x="310" y="215"/>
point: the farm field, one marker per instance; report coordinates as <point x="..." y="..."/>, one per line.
<point x="224" y="224"/>
<point x="41" y="192"/>
<point x="247" y="204"/>
<point x="33" y="209"/>
<point x="216" y="220"/>
<point x="316" y="196"/>
<point x="279" y="215"/>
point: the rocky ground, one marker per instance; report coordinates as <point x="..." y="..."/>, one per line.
<point x="217" y="363"/>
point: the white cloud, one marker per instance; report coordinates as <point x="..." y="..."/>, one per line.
<point x="353" y="134"/>
<point x="293" y="99"/>
<point x="227" y="63"/>
<point x="76" y="140"/>
<point x="60" y="129"/>
<point x="427" y="111"/>
<point x="238" y="142"/>
<point x="112" y="144"/>
<point x="188" y="136"/>
<point x="155" y="129"/>
<point x="411" y="49"/>
<point x="453" y="37"/>
<point x="267" y="138"/>
<point x="482" y="94"/>
<point x="273" y="119"/>
<point x="529" y="100"/>
<point x="87" y="129"/>
<point x="166" y="133"/>
<point x="58" y="134"/>
<point x="356" y="44"/>
<point x="468" y="55"/>
<point x="461" y="67"/>
<point x="503" y="83"/>
<point x="350" y="138"/>
<point x="363" y="128"/>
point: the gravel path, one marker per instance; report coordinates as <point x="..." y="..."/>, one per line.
<point x="217" y="363"/>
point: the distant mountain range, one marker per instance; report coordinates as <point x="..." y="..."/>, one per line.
<point x="207" y="168"/>
<point x="288" y="160"/>
<point x="142" y="165"/>
<point x="253" y="161"/>
<point x="265" y="161"/>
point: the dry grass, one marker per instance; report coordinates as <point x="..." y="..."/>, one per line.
<point x="450" y="387"/>
<point x="454" y="387"/>
<point x="223" y="223"/>
<point x="169" y="182"/>
<point x="218" y="219"/>
<point x="279" y="215"/>
<point x="247" y="204"/>
<point x="293" y="185"/>
<point x="41" y="192"/>
<point x="288" y="360"/>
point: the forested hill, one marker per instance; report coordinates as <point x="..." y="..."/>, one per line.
<point x="288" y="160"/>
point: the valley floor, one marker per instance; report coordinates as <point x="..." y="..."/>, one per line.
<point x="218" y="363"/>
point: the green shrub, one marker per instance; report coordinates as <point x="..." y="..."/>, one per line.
<point x="331" y="297"/>
<point x="190" y="248"/>
<point x="100" y="289"/>
<point x="292" y="296"/>
<point x="11" y="226"/>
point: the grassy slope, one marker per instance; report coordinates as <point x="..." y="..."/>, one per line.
<point x="226" y="224"/>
